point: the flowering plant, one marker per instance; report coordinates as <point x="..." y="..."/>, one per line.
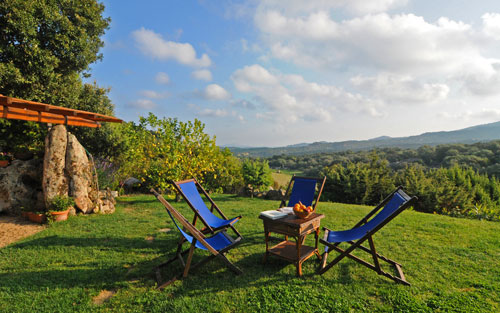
<point x="4" y="156"/>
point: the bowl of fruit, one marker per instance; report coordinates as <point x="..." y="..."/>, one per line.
<point x="302" y="211"/>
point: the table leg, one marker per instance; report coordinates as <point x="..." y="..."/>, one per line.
<point x="266" y="234"/>
<point x="300" y="239"/>
<point x="316" y="236"/>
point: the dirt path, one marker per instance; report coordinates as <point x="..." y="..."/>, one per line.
<point x="13" y="229"/>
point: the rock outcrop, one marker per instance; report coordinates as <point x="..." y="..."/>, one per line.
<point x="79" y="172"/>
<point x="66" y="170"/>
<point x="106" y="202"/>
<point x="20" y="186"/>
<point x="54" y="180"/>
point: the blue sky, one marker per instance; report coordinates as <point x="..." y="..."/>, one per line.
<point x="274" y="73"/>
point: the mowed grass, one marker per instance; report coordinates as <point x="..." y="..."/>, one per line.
<point x="103" y="263"/>
<point x="281" y="179"/>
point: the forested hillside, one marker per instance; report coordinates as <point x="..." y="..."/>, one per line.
<point x="453" y="179"/>
<point x="483" y="157"/>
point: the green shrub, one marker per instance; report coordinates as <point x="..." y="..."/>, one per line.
<point x="60" y="203"/>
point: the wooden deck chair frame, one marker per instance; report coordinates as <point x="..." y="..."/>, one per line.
<point x="368" y="237"/>
<point x="213" y="205"/>
<point x="198" y="236"/>
<point x="320" y="180"/>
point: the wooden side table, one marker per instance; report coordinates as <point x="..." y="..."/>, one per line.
<point x="295" y="252"/>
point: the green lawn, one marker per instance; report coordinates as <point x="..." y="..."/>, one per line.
<point x="451" y="263"/>
<point x="281" y="179"/>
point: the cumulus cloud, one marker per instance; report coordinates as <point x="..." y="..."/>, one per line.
<point x="435" y="54"/>
<point x="162" y="78"/>
<point x="401" y="89"/>
<point x="153" y="45"/>
<point x="216" y="92"/>
<point x="294" y="98"/>
<point x="204" y="74"/>
<point x="491" y="25"/>
<point x="294" y="7"/>
<point x="153" y="94"/>
<point x="213" y="113"/>
<point x="392" y="43"/>
<point x="145" y="104"/>
<point x="219" y="113"/>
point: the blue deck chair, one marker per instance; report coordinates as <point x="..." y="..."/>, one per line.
<point x="217" y="245"/>
<point x="389" y="208"/>
<point x="304" y="190"/>
<point x="190" y="191"/>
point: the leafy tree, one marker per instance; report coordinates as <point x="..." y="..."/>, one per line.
<point x="159" y="150"/>
<point x="227" y="175"/>
<point x="46" y="46"/>
<point x="379" y="180"/>
<point x="256" y="173"/>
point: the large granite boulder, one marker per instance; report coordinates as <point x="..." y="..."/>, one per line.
<point x="55" y="181"/>
<point x="20" y="186"/>
<point x="66" y="170"/>
<point x="79" y="172"/>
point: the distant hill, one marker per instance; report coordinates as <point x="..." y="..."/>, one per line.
<point x="479" y="133"/>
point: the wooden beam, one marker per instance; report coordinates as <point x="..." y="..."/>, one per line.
<point x="44" y="117"/>
<point x="36" y="106"/>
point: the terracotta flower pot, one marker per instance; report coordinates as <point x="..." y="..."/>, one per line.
<point x="37" y="218"/>
<point x="59" y="215"/>
<point x="4" y="163"/>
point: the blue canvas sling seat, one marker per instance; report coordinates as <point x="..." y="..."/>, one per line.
<point x="304" y="191"/>
<point x="217" y="245"/>
<point x="190" y="191"/>
<point x="364" y="230"/>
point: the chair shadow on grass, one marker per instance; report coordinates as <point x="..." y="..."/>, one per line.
<point x="102" y="271"/>
<point x="106" y="273"/>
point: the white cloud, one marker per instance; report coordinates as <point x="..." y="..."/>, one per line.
<point x="162" y="78"/>
<point x="390" y="43"/>
<point x="401" y="89"/>
<point x="216" y="92"/>
<point x="153" y="94"/>
<point x="153" y="45"/>
<point x="292" y="98"/>
<point x="294" y="7"/>
<point x="252" y="75"/>
<point x="143" y="104"/>
<point x="491" y="25"/>
<point x="437" y="56"/>
<point x="484" y="115"/>
<point x="213" y="113"/>
<point x="204" y="74"/>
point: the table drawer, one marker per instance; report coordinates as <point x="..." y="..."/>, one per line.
<point x="283" y="229"/>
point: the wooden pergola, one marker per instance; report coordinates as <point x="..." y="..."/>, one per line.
<point x="19" y="109"/>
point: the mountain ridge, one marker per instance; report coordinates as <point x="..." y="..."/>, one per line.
<point x="477" y="133"/>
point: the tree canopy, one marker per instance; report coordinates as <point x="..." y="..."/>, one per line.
<point x="46" y="47"/>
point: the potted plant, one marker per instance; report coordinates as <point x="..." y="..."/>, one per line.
<point x="58" y="208"/>
<point x="4" y="159"/>
<point x="37" y="216"/>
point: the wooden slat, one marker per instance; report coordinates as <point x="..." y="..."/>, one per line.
<point x="77" y="117"/>
<point x="43" y="117"/>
